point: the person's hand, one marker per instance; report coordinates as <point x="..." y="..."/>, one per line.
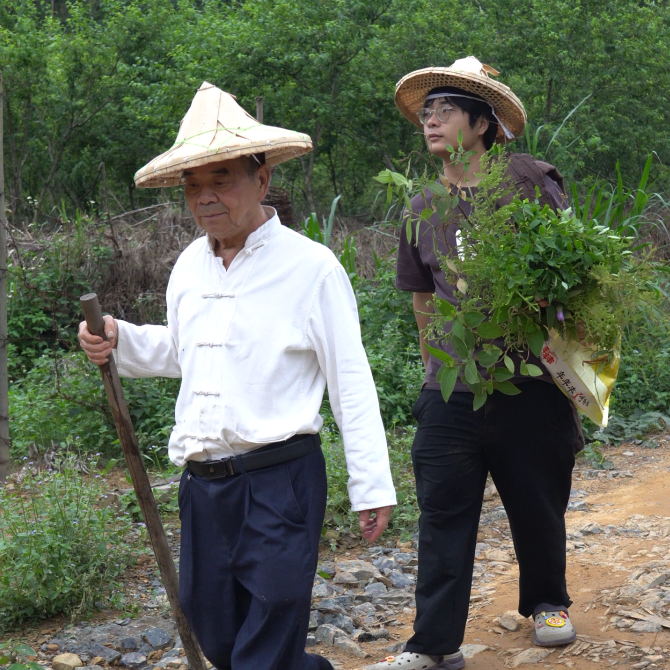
<point x="97" y="350"/>
<point x="373" y="526"/>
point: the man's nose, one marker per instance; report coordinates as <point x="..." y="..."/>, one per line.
<point x="207" y="196"/>
<point x="433" y="121"/>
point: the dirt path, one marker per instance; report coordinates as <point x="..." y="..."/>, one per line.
<point x="618" y="559"/>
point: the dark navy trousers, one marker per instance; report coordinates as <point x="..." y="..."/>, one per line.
<point x="249" y="551"/>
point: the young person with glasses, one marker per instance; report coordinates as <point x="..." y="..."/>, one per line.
<point x="527" y="442"/>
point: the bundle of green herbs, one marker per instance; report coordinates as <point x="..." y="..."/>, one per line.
<point x="523" y="270"/>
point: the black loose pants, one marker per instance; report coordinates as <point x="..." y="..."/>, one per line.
<point x="249" y="550"/>
<point x="527" y="442"/>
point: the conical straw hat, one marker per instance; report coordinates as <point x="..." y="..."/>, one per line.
<point x="214" y="129"/>
<point x="472" y="76"/>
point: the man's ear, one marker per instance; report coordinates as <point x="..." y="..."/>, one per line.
<point x="483" y="123"/>
<point x="263" y="177"/>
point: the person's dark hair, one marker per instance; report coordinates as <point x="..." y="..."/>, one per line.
<point x="253" y="162"/>
<point x="474" y="108"/>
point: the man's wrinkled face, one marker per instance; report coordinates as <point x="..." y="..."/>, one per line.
<point x="223" y="197"/>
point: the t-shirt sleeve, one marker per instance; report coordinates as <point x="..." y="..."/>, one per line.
<point x="412" y="274"/>
<point x="559" y="200"/>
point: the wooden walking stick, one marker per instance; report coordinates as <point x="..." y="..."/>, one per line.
<point x="138" y="474"/>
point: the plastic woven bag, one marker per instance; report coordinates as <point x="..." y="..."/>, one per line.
<point x="585" y="378"/>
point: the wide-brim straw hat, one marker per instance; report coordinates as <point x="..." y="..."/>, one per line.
<point x="216" y="129"/>
<point x="472" y="76"/>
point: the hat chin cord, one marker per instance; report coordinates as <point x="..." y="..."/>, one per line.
<point x="508" y="134"/>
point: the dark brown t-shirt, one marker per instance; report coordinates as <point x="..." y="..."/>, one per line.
<point x="419" y="271"/>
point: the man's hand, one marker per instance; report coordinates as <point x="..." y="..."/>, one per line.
<point x="97" y="350"/>
<point x="373" y="526"/>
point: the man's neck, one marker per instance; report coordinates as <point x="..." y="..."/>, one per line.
<point x="226" y="248"/>
<point x="456" y="173"/>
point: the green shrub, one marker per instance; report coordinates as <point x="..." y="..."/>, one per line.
<point x="62" y="549"/>
<point x="61" y="400"/>
<point x="339" y="516"/>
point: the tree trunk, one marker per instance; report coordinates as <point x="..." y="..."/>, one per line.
<point x="4" y="382"/>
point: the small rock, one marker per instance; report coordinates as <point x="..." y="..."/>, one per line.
<point x="129" y="644"/>
<point x="321" y="590"/>
<point x="364" y="609"/>
<point x="498" y="556"/>
<point x="158" y="638"/>
<point x="348" y="646"/>
<point x="508" y="622"/>
<point x="311" y="641"/>
<point x="66" y="662"/>
<point x="344" y="577"/>
<point x="470" y="650"/>
<point x="645" y="627"/>
<point x="326" y="633"/>
<point x="52" y="647"/>
<point x="400" y="580"/>
<point x="91" y="667"/>
<point x="341" y="621"/>
<point x="133" y="660"/>
<point x="315" y="619"/>
<point x="591" y="529"/>
<point x="97" y="661"/>
<point x="395" y="647"/>
<point x="375" y="589"/>
<point x="103" y="653"/>
<point x="531" y="656"/>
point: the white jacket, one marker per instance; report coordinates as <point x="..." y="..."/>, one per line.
<point x="255" y="346"/>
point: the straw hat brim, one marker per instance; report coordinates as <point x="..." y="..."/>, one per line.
<point x="412" y="89"/>
<point x="166" y="169"/>
<point x="215" y="129"/>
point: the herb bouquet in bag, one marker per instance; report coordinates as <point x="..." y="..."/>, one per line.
<point x="561" y="285"/>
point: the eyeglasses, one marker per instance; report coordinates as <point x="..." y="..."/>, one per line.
<point x="443" y="111"/>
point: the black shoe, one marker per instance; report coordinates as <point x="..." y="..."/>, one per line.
<point x="323" y="663"/>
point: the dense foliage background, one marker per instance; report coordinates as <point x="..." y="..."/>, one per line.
<point x="93" y="82"/>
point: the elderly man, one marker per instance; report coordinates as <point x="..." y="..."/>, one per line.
<point x="259" y="319"/>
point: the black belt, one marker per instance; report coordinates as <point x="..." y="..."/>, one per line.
<point x="265" y="457"/>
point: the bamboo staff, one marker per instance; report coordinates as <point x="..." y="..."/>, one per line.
<point x="138" y="474"/>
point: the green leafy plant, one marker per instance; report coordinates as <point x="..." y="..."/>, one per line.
<point x="594" y="456"/>
<point x="512" y="258"/>
<point x="11" y="654"/>
<point x="63" y="549"/>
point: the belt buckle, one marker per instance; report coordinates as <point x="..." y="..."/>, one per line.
<point x="228" y="465"/>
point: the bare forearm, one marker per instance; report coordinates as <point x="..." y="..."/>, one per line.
<point x="422" y="314"/>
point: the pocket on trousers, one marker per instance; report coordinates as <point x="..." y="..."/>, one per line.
<point x="300" y="514"/>
<point x="418" y="406"/>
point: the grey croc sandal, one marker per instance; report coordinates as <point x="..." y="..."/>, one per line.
<point x="553" y="627"/>
<point x="408" y="660"/>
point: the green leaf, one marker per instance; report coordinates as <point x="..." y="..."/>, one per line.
<point x="440" y="355"/>
<point x="502" y="374"/>
<point x="325" y="575"/>
<point x="489" y="356"/>
<point x="534" y="370"/>
<point x="471" y="372"/>
<point x="489" y="330"/>
<point x="509" y="363"/>
<point x="551" y="316"/>
<point x="462" y="286"/>
<point x="469" y="339"/>
<point x="439" y="189"/>
<point x="448" y="382"/>
<point x="24" y="650"/>
<point x="507" y="388"/>
<point x="523" y="369"/>
<point x="473" y="319"/>
<point x="459" y="347"/>
<point x="458" y="329"/>
<point x="479" y="401"/>
<point x="536" y="342"/>
<point x="445" y="308"/>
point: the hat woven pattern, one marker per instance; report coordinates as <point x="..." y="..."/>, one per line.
<point x="411" y="92"/>
<point x="217" y="129"/>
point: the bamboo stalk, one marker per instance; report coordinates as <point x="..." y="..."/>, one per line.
<point x="140" y="479"/>
<point x="4" y="381"/>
